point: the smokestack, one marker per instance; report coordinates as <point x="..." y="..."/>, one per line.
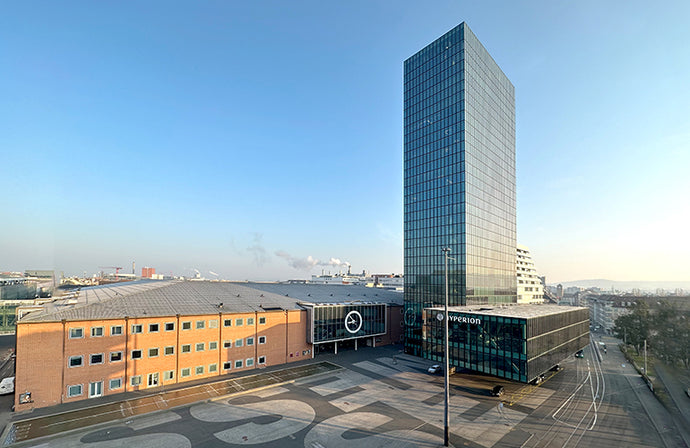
<point x="133" y="269"/>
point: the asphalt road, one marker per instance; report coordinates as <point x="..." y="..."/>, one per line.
<point x="384" y="399"/>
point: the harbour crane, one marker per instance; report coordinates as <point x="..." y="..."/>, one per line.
<point x="117" y="269"/>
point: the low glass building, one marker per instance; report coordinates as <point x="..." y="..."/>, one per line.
<point x="517" y="342"/>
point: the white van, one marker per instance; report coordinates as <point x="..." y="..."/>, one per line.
<point x="7" y="386"/>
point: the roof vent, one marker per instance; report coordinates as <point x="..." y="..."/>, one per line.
<point x="261" y="295"/>
<point x="220" y="305"/>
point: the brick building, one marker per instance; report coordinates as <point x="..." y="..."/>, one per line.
<point x="142" y="335"/>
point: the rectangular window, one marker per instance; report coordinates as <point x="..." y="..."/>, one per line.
<point x="115" y="356"/>
<point x="238" y="322"/>
<point x="262" y="320"/>
<point x="137" y="328"/>
<point x="200" y="347"/>
<point x="185" y="372"/>
<point x="213" y="345"/>
<point x="262" y="339"/>
<point x="76" y="361"/>
<point x="250" y="341"/>
<point x="136" y="354"/>
<point x="116" y="330"/>
<point x="213" y="323"/>
<point x="170" y="326"/>
<point x="250" y="321"/>
<point x="152" y="380"/>
<point x="262" y="360"/>
<point x="227" y="365"/>
<point x="96" y="358"/>
<point x="250" y="362"/>
<point x="186" y="348"/>
<point x="135" y="380"/>
<point x="76" y="333"/>
<point x="200" y="324"/>
<point x="199" y="370"/>
<point x="170" y="350"/>
<point x="186" y="325"/>
<point x="227" y="344"/>
<point x="227" y="323"/>
<point x="169" y="375"/>
<point x="96" y="332"/>
<point x="238" y="364"/>
<point x="74" y="391"/>
<point x="153" y="328"/>
<point x="239" y="342"/>
<point x="153" y="352"/>
<point x="212" y="368"/>
<point x="115" y="384"/>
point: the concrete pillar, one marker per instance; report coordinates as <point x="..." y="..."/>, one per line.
<point x="336" y="347"/>
<point x="373" y="341"/>
<point x="355" y="344"/>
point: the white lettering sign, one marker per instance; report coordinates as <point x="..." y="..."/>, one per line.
<point x="465" y="319"/>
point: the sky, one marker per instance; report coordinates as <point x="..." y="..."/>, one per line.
<point x="263" y="140"/>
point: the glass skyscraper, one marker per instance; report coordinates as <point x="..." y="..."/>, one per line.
<point x="459" y="162"/>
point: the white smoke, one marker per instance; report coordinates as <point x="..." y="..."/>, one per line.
<point x="309" y="262"/>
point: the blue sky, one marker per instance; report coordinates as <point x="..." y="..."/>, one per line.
<point x="263" y="140"/>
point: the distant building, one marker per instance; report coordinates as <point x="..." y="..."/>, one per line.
<point x="529" y="285"/>
<point x="17" y="288"/>
<point x="147" y="272"/>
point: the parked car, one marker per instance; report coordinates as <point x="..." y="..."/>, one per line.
<point x="436" y="368"/>
<point x="556" y="368"/>
<point x="7" y="386"/>
<point x="497" y="391"/>
<point x="579" y="354"/>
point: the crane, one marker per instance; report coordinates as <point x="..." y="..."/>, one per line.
<point x="117" y="269"/>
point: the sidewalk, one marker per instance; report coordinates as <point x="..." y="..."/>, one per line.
<point x="86" y="415"/>
<point x="676" y="390"/>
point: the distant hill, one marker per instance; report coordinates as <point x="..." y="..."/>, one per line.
<point x="604" y="284"/>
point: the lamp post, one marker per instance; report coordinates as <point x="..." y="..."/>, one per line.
<point x="446" y="435"/>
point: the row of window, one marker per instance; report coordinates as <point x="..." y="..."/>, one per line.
<point x="96" y="388"/>
<point x="153" y="352"/>
<point x="116" y="330"/>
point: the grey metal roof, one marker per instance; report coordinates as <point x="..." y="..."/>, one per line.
<point x="517" y="311"/>
<point x="167" y="298"/>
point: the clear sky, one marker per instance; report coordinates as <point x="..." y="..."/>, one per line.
<point x="263" y="140"/>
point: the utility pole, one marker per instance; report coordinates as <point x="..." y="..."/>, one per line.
<point x="645" y="358"/>
<point x="446" y="432"/>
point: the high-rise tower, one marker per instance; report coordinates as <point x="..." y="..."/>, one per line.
<point x="459" y="115"/>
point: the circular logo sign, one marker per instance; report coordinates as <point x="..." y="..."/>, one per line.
<point x="439" y="316"/>
<point x="353" y="321"/>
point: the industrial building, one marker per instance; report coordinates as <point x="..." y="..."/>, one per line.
<point x="147" y="334"/>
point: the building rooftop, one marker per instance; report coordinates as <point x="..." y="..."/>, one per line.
<point x="517" y="311"/>
<point x="147" y="298"/>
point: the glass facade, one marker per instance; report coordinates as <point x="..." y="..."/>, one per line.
<point x="330" y="323"/>
<point x="511" y="347"/>
<point x="459" y="179"/>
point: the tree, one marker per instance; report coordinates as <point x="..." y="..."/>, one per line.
<point x="634" y="327"/>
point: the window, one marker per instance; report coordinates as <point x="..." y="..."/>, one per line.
<point x="136" y="354"/>
<point x="76" y="333"/>
<point x="213" y="345"/>
<point x="262" y="339"/>
<point x="262" y="360"/>
<point x="238" y="322"/>
<point x="185" y="372"/>
<point x="115" y="384"/>
<point x="170" y="326"/>
<point x="74" y="391"/>
<point x="199" y="370"/>
<point x="169" y="375"/>
<point x="227" y="323"/>
<point x="96" y="358"/>
<point x="250" y="321"/>
<point x="170" y="350"/>
<point x="238" y="342"/>
<point x="152" y="380"/>
<point x="153" y="328"/>
<point x="250" y="362"/>
<point x="227" y="365"/>
<point x="135" y="380"/>
<point x="96" y="389"/>
<point x="213" y="323"/>
<point x="116" y="330"/>
<point x="76" y="361"/>
<point x="186" y="348"/>
<point x="186" y="325"/>
<point x="227" y="344"/>
<point x="262" y="320"/>
<point x="250" y="341"/>
<point x="115" y="356"/>
<point x="200" y="347"/>
<point x="200" y="324"/>
<point x="238" y="364"/>
<point x="153" y="352"/>
<point x="212" y="368"/>
<point x="137" y="328"/>
<point x="96" y="332"/>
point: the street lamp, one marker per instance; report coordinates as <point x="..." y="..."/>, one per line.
<point x="446" y="434"/>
